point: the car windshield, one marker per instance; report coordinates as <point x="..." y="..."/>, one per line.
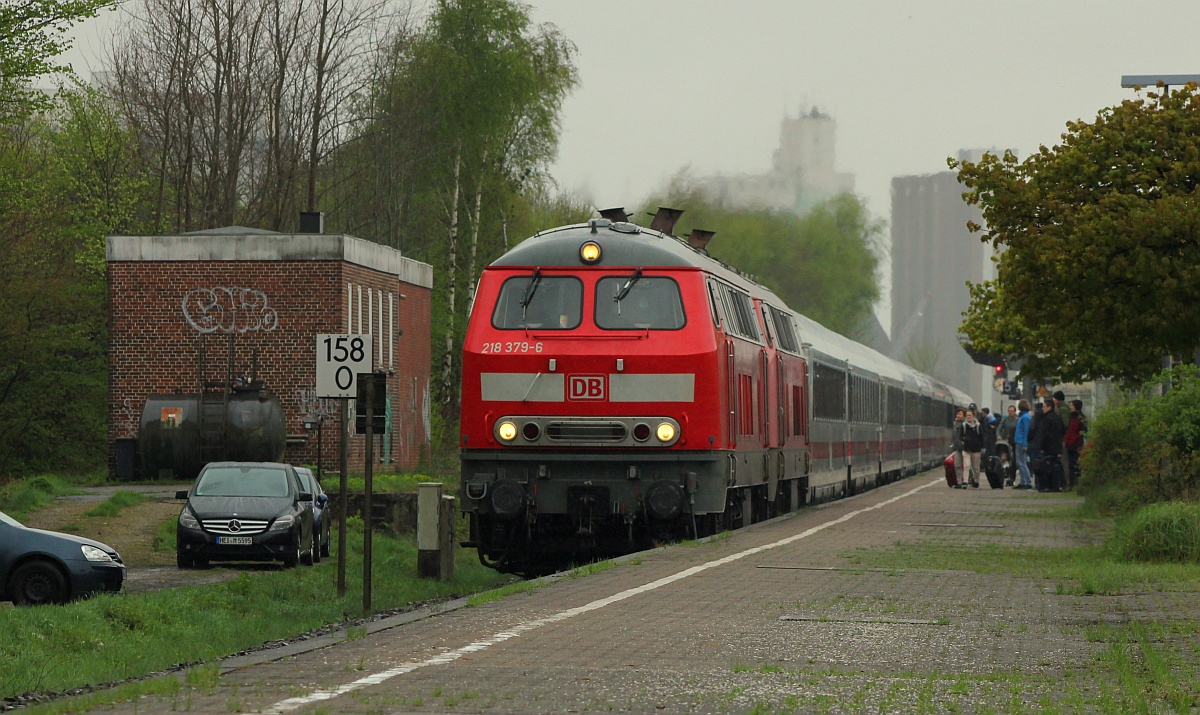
<point x="306" y="481"/>
<point x="6" y="519"/>
<point x="539" y="302"/>
<point x="245" y="481"/>
<point x="637" y="302"/>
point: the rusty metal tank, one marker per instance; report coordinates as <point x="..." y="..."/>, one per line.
<point x="181" y="433"/>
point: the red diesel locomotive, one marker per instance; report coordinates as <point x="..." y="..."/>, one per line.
<point x="620" y="388"/>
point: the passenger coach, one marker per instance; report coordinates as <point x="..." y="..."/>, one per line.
<point x="621" y="387"/>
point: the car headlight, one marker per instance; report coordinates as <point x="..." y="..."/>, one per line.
<point x="187" y="521"/>
<point x="283" y="523"/>
<point x="91" y="553"/>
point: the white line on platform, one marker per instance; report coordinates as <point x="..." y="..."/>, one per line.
<point x="290" y="704"/>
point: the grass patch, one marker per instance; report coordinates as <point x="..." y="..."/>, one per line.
<point x="165" y="538"/>
<point x="1084" y="570"/>
<point x="1166" y="532"/>
<point x="391" y="483"/>
<point x="111" y="637"/>
<point x="20" y="497"/>
<point x="526" y="586"/>
<point x="116" y="503"/>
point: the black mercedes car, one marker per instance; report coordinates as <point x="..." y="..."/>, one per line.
<point x="39" y="566"/>
<point x="246" y="511"/>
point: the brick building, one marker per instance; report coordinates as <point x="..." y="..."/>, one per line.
<point x="192" y="313"/>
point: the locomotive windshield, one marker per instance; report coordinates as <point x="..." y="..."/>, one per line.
<point x="638" y="302"/>
<point x="539" y="301"/>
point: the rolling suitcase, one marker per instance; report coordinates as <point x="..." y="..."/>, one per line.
<point x="951" y="476"/>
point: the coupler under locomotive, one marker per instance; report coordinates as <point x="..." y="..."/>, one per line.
<point x="541" y="513"/>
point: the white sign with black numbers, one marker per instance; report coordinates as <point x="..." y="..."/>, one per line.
<point x="340" y="358"/>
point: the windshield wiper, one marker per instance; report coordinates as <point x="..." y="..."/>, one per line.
<point x="530" y="290"/>
<point x="624" y="291"/>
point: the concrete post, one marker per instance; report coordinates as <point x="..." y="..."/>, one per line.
<point x="435" y="532"/>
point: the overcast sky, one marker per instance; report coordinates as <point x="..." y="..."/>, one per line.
<point x="669" y="84"/>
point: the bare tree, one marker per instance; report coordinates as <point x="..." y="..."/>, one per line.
<point x="236" y="100"/>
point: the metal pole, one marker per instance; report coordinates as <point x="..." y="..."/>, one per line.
<point x="320" y="422"/>
<point x="367" y="478"/>
<point x="343" y="488"/>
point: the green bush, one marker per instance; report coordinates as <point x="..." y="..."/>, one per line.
<point x="1146" y="448"/>
<point x="1167" y="532"/>
<point x="19" y="497"/>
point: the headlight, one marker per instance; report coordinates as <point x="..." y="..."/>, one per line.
<point x="507" y="431"/>
<point x="666" y="432"/>
<point x="283" y="523"/>
<point x="187" y="521"/>
<point x="91" y="553"/>
<point x="589" y="252"/>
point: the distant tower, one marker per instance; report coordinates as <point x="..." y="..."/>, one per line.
<point x="802" y="174"/>
<point x="933" y="257"/>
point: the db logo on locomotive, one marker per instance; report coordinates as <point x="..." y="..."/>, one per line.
<point x="585" y="387"/>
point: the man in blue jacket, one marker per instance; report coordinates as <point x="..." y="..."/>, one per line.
<point x="1021" y="438"/>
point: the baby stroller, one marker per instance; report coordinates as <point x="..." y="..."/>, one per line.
<point x="1000" y="465"/>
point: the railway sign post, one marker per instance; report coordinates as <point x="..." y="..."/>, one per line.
<point x="340" y="359"/>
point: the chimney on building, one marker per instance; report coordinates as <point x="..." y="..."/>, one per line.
<point x="312" y="222"/>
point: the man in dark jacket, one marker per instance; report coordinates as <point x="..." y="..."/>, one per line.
<point x="1050" y="434"/>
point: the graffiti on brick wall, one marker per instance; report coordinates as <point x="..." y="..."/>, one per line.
<point x="229" y="310"/>
<point x="426" y="413"/>
<point x="310" y="404"/>
<point x="129" y="416"/>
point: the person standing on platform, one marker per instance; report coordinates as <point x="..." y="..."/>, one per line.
<point x="972" y="444"/>
<point x="960" y="416"/>
<point x="1074" y="442"/>
<point x="1021" y="448"/>
<point x="1050" y="434"/>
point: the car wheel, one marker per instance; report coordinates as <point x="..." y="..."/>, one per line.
<point x="292" y="558"/>
<point x="316" y="547"/>
<point x="309" y="557"/>
<point x="184" y="560"/>
<point x="325" y="545"/>
<point x="36" y="583"/>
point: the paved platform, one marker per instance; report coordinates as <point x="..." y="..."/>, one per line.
<point x="780" y="617"/>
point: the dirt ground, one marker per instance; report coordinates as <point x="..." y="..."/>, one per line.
<point x="131" y="533"/>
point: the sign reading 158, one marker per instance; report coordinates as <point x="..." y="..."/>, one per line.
<point x="340" y="358"/>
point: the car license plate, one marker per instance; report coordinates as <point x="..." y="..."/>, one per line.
<point x="235" y="540"/>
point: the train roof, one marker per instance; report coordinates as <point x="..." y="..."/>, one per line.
<point x="630" y="245"/>
<point x="624" y="244"/>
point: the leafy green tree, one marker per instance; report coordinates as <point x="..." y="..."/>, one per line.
<point x="63" y="186"/>
<point x="821" y="264"/>
<point x="1099" y="270"/>
<point x="461" y="124"/>
<point x="32" y="34"/>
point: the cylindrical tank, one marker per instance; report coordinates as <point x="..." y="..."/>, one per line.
<point x="175" y="442"/>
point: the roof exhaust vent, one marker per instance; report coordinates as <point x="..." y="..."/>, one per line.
<point x="699" y="238"/>
<point x="616" y="215"/>
<point x="664" y="220"/>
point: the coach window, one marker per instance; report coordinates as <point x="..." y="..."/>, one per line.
<point x="637" y="302"/>
<point x="539" y="301"/>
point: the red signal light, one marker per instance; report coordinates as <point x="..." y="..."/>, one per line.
<point x="999" y="369"/>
